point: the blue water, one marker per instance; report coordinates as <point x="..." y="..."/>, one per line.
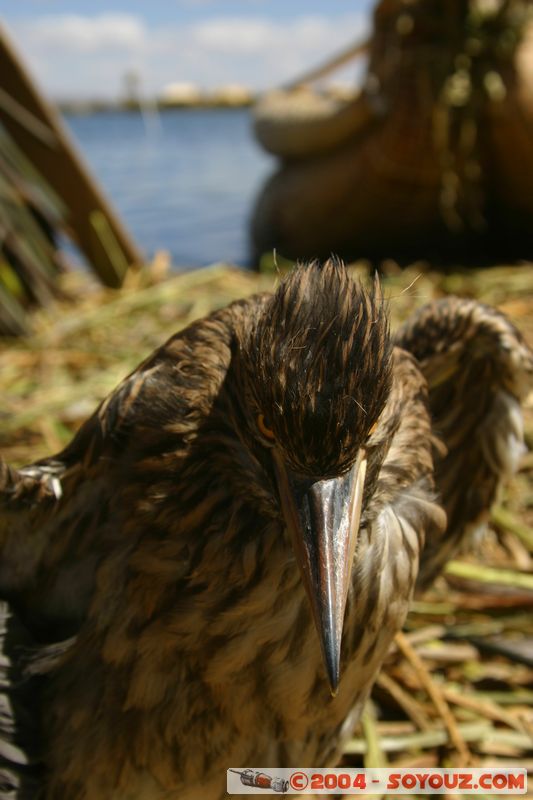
<point x="183" y="181"/>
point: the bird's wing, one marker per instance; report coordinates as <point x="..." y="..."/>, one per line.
<point x="49" y="507"/>
<point x="59" y="515"/>
<point x="478" y="369"/>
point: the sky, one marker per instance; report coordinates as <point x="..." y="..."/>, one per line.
<point x="84" y="48"/>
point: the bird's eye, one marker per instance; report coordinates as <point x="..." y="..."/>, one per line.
<point x="264" y="427"/>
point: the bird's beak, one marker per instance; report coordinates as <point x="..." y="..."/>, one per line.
<point x="323" y="521"/>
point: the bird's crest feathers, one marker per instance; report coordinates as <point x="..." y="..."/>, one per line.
<point x="318" y="366"/>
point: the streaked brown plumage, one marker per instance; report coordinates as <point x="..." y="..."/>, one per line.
<point x="167" y="536"/>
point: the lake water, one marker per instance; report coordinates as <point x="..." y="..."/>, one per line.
<point x="183" y="181"/>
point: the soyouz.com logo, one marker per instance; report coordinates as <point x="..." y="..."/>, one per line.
<point x="486" y="781"/>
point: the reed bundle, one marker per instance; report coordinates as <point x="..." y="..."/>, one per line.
<point x="434" y="156"/>
<point x="31" y="217"/>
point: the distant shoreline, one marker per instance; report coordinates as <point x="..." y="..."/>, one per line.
<point x="221" y="99"/>
<point x="81" y="108"/>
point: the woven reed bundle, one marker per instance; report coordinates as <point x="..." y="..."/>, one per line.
<point x="31" y="216"/>
<point x="445" y="159"/>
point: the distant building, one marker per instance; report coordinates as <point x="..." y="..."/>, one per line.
<point x="232" y="94"/>
<point x="181" y="94"/>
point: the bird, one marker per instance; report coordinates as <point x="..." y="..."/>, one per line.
<point x="210" y="575"/>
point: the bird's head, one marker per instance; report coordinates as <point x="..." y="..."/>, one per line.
<point x="316" y="369"/>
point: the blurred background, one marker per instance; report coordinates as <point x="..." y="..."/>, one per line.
<point x="157" y="97"/>
<point x="246" y="131"/>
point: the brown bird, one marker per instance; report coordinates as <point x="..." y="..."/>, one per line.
<point x="278" y="470"/>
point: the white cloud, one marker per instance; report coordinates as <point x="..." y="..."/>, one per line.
<point x="234" y="35"/>
<point x="87" y="56"/>
<point x="72" y="32"/>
